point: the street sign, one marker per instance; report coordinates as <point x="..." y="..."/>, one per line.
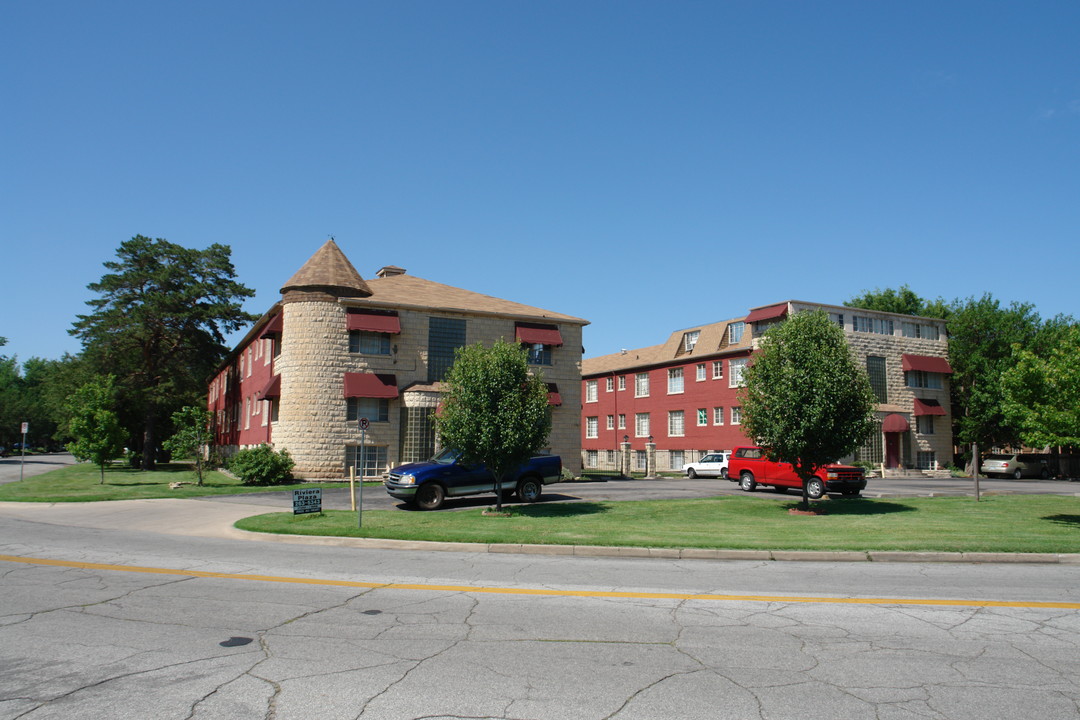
<point x="308" y="500"/>
<point x="25" y="428"/>
<point x="364" y="424"/>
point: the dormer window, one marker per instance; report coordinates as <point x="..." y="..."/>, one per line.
<point x="690" y="340"/>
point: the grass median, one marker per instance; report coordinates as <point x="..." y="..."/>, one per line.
<point x="1025" y="524"/>
<point x="81" y="483"/>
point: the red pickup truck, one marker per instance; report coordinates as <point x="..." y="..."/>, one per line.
<point x="749" y="467"/>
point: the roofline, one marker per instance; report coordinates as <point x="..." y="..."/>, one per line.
<point x="681" y="360"/>
<point x="246" y="340"/>
<point x="368" y="302"/>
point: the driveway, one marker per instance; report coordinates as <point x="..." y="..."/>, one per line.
<point x="10" y="467"/>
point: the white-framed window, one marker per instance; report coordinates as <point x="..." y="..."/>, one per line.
<point x="674" y="381"/>
<point x="590" y="391"/>
<point x="591" y="427"/>
<point x="837" y="318"/>
<point x="609" y="456"/>
<point x="735" y="332"/>
<point x="701" y="372"/>
<point x="924" y="424"/>
<point x="690" y="340"/>
<point x="919" y="330"/>
<point x="641" y="385"/>
<point x="926" y="460"/>
<point x="718" y="370"/>
<point x="371" y="463"/>
<point x="718" y="416"/>
<point x="922" y="379"/>
<point x="641" y="459"/>
<point x="622" y="382"/>
<point x="675" y="423"/>
<point x="247" y="413"/>
<point x="592" y="458"/>
<point x="610" y="422"/>
<point x="702" y="417"/>
<point x="266" y="415"/>
<point x="641" y="425"/>
<point x="736" y="415"/>
<point x="878" y="326"/>
<point x="735" y="371"/>
<point x="609" y="384"/>
<point x="676" y="459"/>
<point x="622" y="421"/>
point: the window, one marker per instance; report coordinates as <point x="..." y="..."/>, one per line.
<point x="674" y="381"/>
<point x="702" y="417"/>
<point x="591" y="458"/>
<point x="676" y="459"/>
<point x="610" y="422"/>
<point x="922" y="379"/>
<point x="718" y="370"/>
<point x="590" y="391"/>
<point x="701" y="372"/>
<point x="641" y="458"/>
<point x="622" y="382"/>
<point x="735" y="332"/>
<point x="641" y="425"/>
<point x="445" y="335"/>
<point x="718" y="416"/>
<point x="641" y="385"/>
<point x="374" y="409"/>
<point x="610" y="384"/>
<point x="880" y="326"/>
<point x="609" y="456"/>
<point x="926" y="460"/>
<point x="675" y="423"/>
<point x="736" y="367"/>
<point x="919" y="330"/>
<point x="539" y="354"/>
<point x="875" y="370"/>
<point x="372" y="464"/>
<point x="837" y="318"/>
<point x="924" y="424"/>
<point x="591" y="427"/>
<point x="247" y="413"/>
<point x="736" y="415"/>
<point x="690" y="340"/>
<point x="622" y="421"/>
<point x="369" y="343"/>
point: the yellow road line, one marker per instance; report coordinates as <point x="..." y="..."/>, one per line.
<point x="542" y="591"/>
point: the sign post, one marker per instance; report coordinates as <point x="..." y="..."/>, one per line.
<point x="364" y="425"/>
<point x="22" y="461"/>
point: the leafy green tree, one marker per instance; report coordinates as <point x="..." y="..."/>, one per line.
<point x="95" y="427"/>
<point x="904" y="301"/>
<point x="807" y="401"/>
<point x="1041" y="392"/>
<point x="191" y="425"/>
<point x="159" y="325"/>
<point x="494" y="411"/>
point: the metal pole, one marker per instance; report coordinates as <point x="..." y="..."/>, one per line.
<point x="360" y="504"/>
<point x="22" y="461"/>
<point x="975" y="468"/>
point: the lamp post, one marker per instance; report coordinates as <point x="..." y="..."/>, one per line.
<point x="650" y="459"/>
<point x="624" y="461"/>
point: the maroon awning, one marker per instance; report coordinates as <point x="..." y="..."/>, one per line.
<point x="928" y="407"/>
<point x="273" y="327"/>
<point x="272" y="391"/>
<point x="537" y="334"/>
<point x="767" y="313"/>
<point x="926" y="363"/>
<point x="370" y="385"/>
<point x="554" y="398"/>
<point x="895" y="423"/>
<point x="374" y="321"/>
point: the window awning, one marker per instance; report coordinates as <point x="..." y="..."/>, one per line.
<point x="767" y="313"/>
<point x="273" y="327"/>
<point x="895" y="423"/>
<point x="537" y="334"/>
<point x="926" y="363"/>
<point x="554" y="398"/>
<point x="272" y="391"/>
<point x="928" y="407"/>
<point x="371" y="385"/>
<point x="374" y="321"/>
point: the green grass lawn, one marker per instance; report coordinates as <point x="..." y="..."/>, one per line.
<point x="1029" y="524"/>
<point x="81" y="483"/>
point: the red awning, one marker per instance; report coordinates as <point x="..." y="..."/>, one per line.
<point x="370" y="385"/>
<point x="374" y="321"/>
<point x="273" y="327"/>
<point x="554" y="398"/>
<point x="928" y="407"/>
<point x="895" y="423"/>
<point x="537" y="334"/>
<point x="767" y="313"/>
<point x="272" y="391"/>
<point x="926" y="363"/>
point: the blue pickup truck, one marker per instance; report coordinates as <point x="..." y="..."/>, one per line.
<point x="427" y="484"/>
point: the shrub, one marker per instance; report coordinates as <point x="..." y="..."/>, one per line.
<point x="262" y="466"/>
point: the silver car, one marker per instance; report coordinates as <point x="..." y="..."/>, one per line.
<point x="1016" y="466"/>
<point x="711" y="465"/>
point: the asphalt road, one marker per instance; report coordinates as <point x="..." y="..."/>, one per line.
<point x="11" y="467"/>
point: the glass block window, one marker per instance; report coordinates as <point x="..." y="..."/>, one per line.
<point x="371" y="464"/>
<point x="875" y="370"/>
<point x="417" y="434"/>
<point x="872" y="450"/>
<point x="374" y="409"/>
<point x="445" y="335"/>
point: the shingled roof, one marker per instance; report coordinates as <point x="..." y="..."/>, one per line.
<point x="712" y="341"/>
<point x="328" y="270"/>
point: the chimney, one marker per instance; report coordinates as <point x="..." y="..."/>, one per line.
<point x="390" y="271"/>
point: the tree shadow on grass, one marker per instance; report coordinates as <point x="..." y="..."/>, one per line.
<point x="1067" y="520"/>
<point x="559" y="510"/>
<point x="854" y="507"/>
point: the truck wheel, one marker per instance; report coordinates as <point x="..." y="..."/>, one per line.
<point x="691" y="473"/>
<point x="723" y="474"/>
<point x="529" y="490"/>
<point x="430" y="496"/>
<point x="747" y="482"/>
<point x="815" y="489"/>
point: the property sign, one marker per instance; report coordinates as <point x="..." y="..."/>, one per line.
<point x="25" y="428"/>
<point x="306" y="501"/>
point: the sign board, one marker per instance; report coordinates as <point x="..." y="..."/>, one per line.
<point x="306" y="501"/>
<point x="25" y="428"/>
<point x="364" y="424"/>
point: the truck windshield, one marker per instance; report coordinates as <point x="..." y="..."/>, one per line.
<point x="446" y="457"/>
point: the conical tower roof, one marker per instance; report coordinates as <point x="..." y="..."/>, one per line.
<point x="330" y="272"/>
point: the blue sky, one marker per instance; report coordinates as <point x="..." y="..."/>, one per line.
<point x="648" y="166"/>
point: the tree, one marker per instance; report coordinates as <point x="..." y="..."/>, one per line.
<point x="806" y="401"/>
<point x="191" y="425"/>
<point x="158" y="324"/>
<point x="904" y="301"/>
<point x="1042" y="392"/>
<point x="95" y="427"/>
<point x="494" y="412"/>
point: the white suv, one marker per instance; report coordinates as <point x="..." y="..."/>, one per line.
<point x="711" y="465"/>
